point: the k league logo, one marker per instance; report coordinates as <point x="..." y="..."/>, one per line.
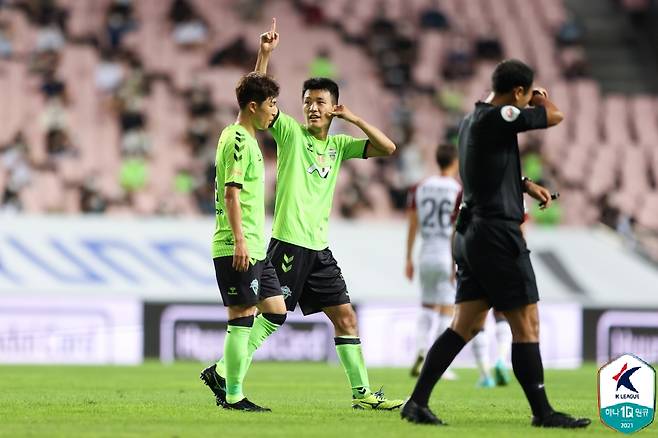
<point x="627" y="394"/>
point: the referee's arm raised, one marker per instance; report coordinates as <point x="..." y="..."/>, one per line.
<point x="553" y="113"/>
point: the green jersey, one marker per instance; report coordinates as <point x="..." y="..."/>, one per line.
<point x="239" y="162"/>
<point x="306" y="173"/>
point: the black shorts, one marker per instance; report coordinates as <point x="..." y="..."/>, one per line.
<point x="309" y="277"/>
<point x="245" y="288"/>
<point x="493" y="263"/>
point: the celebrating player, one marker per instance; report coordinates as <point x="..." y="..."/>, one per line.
<point x="430" y="205"/>
<point x="245" y="276"/>
<point x="308" y="161"/>
<point x="494" y="268"/>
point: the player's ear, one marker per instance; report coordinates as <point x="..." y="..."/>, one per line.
<point x="519" y="93"/>
<point x="252" y="106"/>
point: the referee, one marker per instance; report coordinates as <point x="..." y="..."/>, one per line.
<point x="493" y="262"/>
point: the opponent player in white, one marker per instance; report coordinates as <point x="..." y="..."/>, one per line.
<point x="430" y="208"/>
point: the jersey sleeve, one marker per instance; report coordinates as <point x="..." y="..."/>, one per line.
<point x="282" y="128"/>
<point x="411" y="198"/>
<point x="351" y="147"/>
<point x="235" y="158"/>
<point x="521" y="120"/>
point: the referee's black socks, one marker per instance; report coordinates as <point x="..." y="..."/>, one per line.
<point x="529" y="371"/>
<point x="439" y="357"/>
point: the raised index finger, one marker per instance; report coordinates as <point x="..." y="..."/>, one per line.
<point x="273" y="28"/>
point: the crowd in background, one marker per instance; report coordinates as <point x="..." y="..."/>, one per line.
<point x="126" y="84"/>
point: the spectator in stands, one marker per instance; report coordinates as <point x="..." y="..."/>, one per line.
<point x="43" y="62"/>
<point x="571" y="33"/>
<point x="392" y="48"/>
<point x="451" y="98"/>
<point x="189" y="27"/>
<point x="6" y="46"/>
<point x="202" y="127"/>
<point x="118" y="21"/>
<point x="58" y="145"/>
<point x="459" y="62"/>
<point x="52" y="86"/>
<point x="55" y="114"/>
<point x="432" y="18"/>
<point x="109" y="72"/>
<point x="135" y="86"/>
<point x="488" y="47"/>
<point x="43" y="12"/>
<point x="135" y="142"/>
<point x="204" y="192"/>
<point x="91" y="199"/>
<point x="249" y="10"/>
<point x="133" y="174"/>
<point x="14" y="158"/>
<point x="354" y="200"/>
<point x="236" y="53"/>
<point x="49" y="38"/>
<point x="322" y="66"/>
<point x="573" y="62"/>
<point x="312" y="13"/>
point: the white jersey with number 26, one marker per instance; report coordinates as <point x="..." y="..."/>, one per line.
<point x="434" y="200"/>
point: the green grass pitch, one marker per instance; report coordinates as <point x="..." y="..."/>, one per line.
<point x="308" y="400"/>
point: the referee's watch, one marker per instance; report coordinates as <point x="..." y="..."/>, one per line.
<point x="524" y="180"/>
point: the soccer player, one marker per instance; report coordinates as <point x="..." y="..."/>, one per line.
<point x="245" y="275"/>
<point x="308" y="161"/>
<point x="494" y="268"/>
<point x="430" y="206"/>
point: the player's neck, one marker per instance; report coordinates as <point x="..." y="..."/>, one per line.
<point x="245" y="121"/>
<point x="319" y="133"/>
<point x="502" y="99"/>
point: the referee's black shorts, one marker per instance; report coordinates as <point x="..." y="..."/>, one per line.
<point x="493" y="263"/>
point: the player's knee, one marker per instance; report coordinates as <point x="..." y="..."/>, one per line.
<point x="275" y="318"/>
<point x="527" y="332"/>
<point x="240" y="311"/>
<point x="534" y="324"/>
<point x="346" y="323"/>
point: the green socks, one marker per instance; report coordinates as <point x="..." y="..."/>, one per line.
<point x="351" y="358"/>
<point x="263" y="328"/>
<point x="235" y="356"/>
<point x="264" y="325"/>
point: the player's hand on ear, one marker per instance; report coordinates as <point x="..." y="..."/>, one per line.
<point x="269" y="40"/>
<point x="342" y="112"/>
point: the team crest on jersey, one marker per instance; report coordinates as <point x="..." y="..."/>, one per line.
<point x="285" y="290"/>
<point x="332" y="154"/>
<point x="254" y="286"/>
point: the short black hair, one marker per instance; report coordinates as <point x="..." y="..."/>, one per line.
<point x="446" y="154"/>
<point x="255" y="87"/>
<point x="322" y="84"/>
<point x="511" y="73"/>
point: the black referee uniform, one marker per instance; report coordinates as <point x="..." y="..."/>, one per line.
<point x="490" y="251"/>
